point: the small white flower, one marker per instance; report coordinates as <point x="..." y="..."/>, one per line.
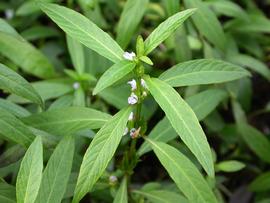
<point x="131" y="116"/>
<point x="126" y="131"/>
<point x="129" y="56"/>
<point x="133" y="99"/>
<point x="132" y="132"/>
<point x="133" y="84"/>
<point x="113" y="179"/>
<point x="9" y="13"/>
<point x="76" y="85"/>
<point x="143" y="83"/>
<point x="144" y="93"/>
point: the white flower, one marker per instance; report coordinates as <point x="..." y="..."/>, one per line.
<point x="133" y="84"/>
<point x="129" y="56"/>
<point x="9" y="13"/>
<point x="143" y="83"/>
<point x="133" y="99"/>
<point x="76" y="85"/>
<point x="113" y="179"/>
<point x="131" y="116"/>
<point x="126" y="131"/>
<point x="144" y="93"/>
<point x="132" y="132"/>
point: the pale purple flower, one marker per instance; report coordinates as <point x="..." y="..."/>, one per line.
<point x="129" y="56"/>
<point x="113" y="179"/>
<point x="133" y="84"/>
<point x="9" y="13"/>
<point x="132" y="132"/>
<point x="143" y="83"/>
<point x="132" y="99"/>
<point x="76" y="85"/>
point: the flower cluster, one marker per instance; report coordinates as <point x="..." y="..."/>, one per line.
<point x="133" y="98"/>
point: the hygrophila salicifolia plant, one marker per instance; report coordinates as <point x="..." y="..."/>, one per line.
<point x="180" y="117"/>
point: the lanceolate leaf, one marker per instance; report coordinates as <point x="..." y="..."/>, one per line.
<point x="30" y="173"/>
<point x="13" y="129"/>
<point x="121" y="195"/>
<point x="7" y="193"/>
<point x="16" y="84"/>
<point x="207" y="23"/>
<point x="129" y="20"/>
<point x="67" y="120"/>
<point x="100" y="152"/>
<point x="165" y="29"/>
<point x="183" y="120"/>
<point x="162" y="196"/>
<point x="184" y="173"/>
<point x="56" y="174"/>
<point x="202" y="71"/>
<point x="261" y="183"/>
<point x="26" y="56"/>
<point x="113" y="74"/>
<point x="14" y="109"/>
<point x="83" y="30"/>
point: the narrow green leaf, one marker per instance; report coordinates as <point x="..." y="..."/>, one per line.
<point x="56" y="174"/>
<point x="207" y="23"/>
<point x="79" y="97"/>
<point x="121" y="195"/>
<point x="165" y="29"/>
<point x="162" y="196"/>
<point x="13" y="129"/>
<point x="67" y="120"/>
<point x="61" y="102"/>
<point x="39" y="32"/>
<point x="30" y="173"/>
<point x="129" y="20"/>
<point x="7" y="193"/>
<point x="261" y="183"/>
<point x="171" y="6"/>
<point x="202" y="71"/>
<point x="184" y="173"/>
<point x="16" y="84"/>
<point x="82" y="29"/>
<point x="113" y="74"/>
<point x="229" y="166"/>
<point x="14" y="109"/>
<point x="100" y="152"/>
<point x="76" y="52"/>
<point x="183" y="120"/>
<point x="22" y="53"/>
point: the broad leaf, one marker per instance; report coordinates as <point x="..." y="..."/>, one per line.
<point x="16" y="84"/>
<point x="30" y="173"/>
<point x="13" y="129"/>
<point x="113" y="74"/>
<point x="129" y="20"/>
<point x="202" y="71"/>
<point x="82" y="29"/>
<point x="183" y="120"/>
<point x="161" y="196"/>
<point x="100" y="152"/>
<point x="19" y="51"/>
<point x="7" y="193"/>
<point x="121" y="195"/>
<point x="184" y="173"/>
<point x="207" y="23"/>
<point x="56" y="174"/>
<point x="67" y="120"/>
<point x="165" y="29"/>
<point x="261" y="183"/>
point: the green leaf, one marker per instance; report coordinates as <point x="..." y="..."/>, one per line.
<point x="165" y="29"/>
<point x="23" y="54"/>
<point x="183" y="120"/>
<point x="56" y="174"/>
<point x="100" y="152"/>
<point x="256" y="141"/>
<point x="61" y="102"/>
<point x="121" y="195"/>
<point x="207" y="23"/>
<point x="13" y="129"/>
<point x="30" y="173"/>
<point x="76" y="52"/>
<point x="129" y="20"/>
<point x="14" y="109"/>
<point x="39" y="32"/>
<point x="67" y="120"/>
<point x="113" y="74"/>
<point x="202" y="71"/>
<point x="162" y="196"/>
<point x="82" y="29"/>
<point x="79" y="97"/>
<point x="202" y="104"/>
<point x="184" y="173"/>
<point x="6" y="28"/>
<point x="7" y="193"/>
<point x="261" y="183"/>
<point x="171" y="6"/>
<point x="16" y="84"/>
<point x="229" y="166"/>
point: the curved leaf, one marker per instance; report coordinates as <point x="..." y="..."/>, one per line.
<point x="14" y="109"/>
<point x="121" y="195"/>
<point x="100" y="152"/>
<point x="183" y="120"/>
<point x="7" y="193"/>
<point x="184" y="173"/>
<point x="261" y="183"/>
<point x="202" y="71"/>
<point x="82" y="29"/>
<point x="30" y="173"/>
<point x="67" y="120"/>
